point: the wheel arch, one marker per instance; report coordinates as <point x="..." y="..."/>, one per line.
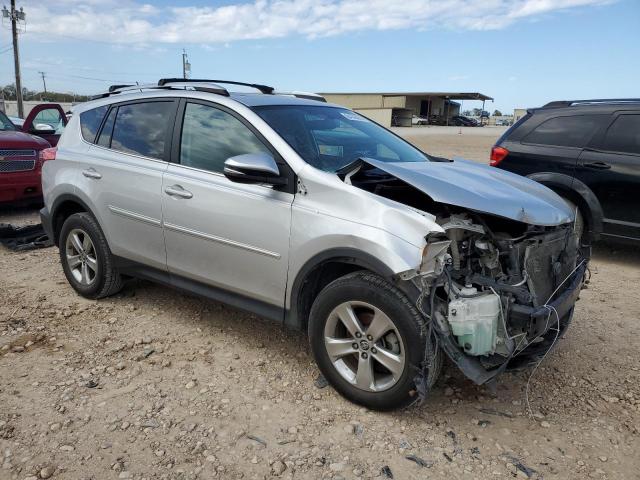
<point x="63" y="207"/>
<point x="579" y="193"/>
<point x="322" y="269"/>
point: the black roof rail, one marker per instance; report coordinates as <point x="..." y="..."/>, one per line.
<point x="113" y="88"/>
<point x="262" y="88"/>
<point x="570" y="103"/>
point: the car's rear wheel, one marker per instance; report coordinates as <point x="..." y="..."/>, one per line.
<point x="86" y="259"/>
<point x="368" y="341"/>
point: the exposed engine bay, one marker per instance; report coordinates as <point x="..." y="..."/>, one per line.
<point x="494" y="289"/>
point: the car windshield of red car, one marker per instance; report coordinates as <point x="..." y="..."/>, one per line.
<point x="5" y="123"/>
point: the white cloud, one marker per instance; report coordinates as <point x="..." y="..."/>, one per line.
<point x="126" y="22"/>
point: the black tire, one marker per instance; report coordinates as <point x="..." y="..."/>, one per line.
<point x="371" y="289"/>
<point x="579" y="221"/>
<point x="106" y="280"/>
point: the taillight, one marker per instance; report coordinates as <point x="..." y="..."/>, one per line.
<point x="497" y="155"/>
<point x="48" y="154"/>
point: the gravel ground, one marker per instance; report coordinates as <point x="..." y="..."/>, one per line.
<point x="156" y="384"/>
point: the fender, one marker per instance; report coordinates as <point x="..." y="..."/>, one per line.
<point x="51" y="220"/>
<point x="578" y="192"/>
<point x="350" y="256"/>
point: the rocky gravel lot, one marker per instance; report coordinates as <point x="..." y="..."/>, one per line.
<point x="156" y="384"/>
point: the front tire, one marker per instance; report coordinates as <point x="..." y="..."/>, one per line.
<point x="368" y="341"/>
<point x="86" y="259"/>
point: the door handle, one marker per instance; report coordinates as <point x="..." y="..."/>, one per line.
<point x="597" y="165"/>
<point x="178" y="191"/>
<point x="91" y="173"/>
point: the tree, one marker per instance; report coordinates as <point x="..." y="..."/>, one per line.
<point x="497" y="113"/>
<point x="477" y="112"/>
<point x="467" y="113"/>
<point x="8" y="92"/>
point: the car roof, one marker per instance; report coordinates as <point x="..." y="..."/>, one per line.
<point x="260" y="99"/>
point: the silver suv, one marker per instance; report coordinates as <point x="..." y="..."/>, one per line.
<point x="319" y="219"/>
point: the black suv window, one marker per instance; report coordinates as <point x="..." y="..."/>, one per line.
<point x="141" y="128"/>
<point x="623" y="135"/>
<point x="210" y="136"/>
<point x="571" y="131"/>
<point x="90" y="122"/>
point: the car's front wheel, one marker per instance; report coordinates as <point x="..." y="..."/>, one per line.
<point x="86" y="259"/>
<point x="368" y="341"/>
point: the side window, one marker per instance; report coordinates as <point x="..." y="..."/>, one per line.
<point x="574" y="131"/>
<point x="90" y="122"/>
<point x="51" y="117"/>
<point x="623" y="135"/>
<point x="104" y="140"/>
<point x="141" y="128"/>
<point x="210" y="136"/>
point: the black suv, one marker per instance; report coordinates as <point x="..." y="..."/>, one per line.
<point x="587" y="151"/>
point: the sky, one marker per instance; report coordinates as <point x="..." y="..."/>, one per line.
<point x="523" y="53"/>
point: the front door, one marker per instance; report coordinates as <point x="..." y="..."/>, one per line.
<point x="612" y="171"/>
<point x="232" y="238"/>
<point x="46" y="120"/>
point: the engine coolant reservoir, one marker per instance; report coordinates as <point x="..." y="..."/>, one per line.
<point x="474" y="321"/>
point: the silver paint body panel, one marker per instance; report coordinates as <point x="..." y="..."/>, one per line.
<point x="254" y="240"/>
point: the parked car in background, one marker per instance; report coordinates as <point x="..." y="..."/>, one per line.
<point x="17" y="121"/>
<point x="503" y="123"/>
<point x="21" y="151"/>
<point x="588" y="151"/>
<point x="462" y="121"/>
<point x="315" y="217"/>
<point x="419" y="120"/>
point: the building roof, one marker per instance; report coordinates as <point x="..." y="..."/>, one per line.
<point x="450" y="95"/>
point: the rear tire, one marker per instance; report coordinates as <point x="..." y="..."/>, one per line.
<point x="86" y="259"/>
<point x="368" y="341"/>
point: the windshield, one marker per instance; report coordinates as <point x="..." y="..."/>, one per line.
<point x="5" y="123"/>
<point x="330" y="138"/>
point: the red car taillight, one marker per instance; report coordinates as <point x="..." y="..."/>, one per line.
<point x="48" y="154"/>
<point x="497" y="155"/>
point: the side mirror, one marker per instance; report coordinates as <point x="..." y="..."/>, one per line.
<point x="253" y="168"/>
<point x="42" y="128"/>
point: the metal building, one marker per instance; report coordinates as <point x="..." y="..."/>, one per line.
<point x="397" y="108"/>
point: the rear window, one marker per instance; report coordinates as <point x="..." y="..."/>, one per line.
<point x="90" y="122"/>
<point x="568" y="131"/>
<point x="141" y="128"/>
<point x="623" y="135"/>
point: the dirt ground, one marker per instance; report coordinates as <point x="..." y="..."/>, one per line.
<point x="156" y="384"/>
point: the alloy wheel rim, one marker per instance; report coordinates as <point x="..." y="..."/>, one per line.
<point x="364" y="346"/>
<point x="81" y="257"/>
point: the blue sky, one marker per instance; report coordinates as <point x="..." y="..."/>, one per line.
<point x="521" y="52"/>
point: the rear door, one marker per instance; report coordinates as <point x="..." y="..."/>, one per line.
<point x="230" y="236"/>
<point x="47" y="121"/>
<point x="553" y="145"/>
<point x="611" y="169"/>
<point x="123" y="175"/>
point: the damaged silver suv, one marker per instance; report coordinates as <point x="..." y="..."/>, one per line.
<point x="317" y="218"/>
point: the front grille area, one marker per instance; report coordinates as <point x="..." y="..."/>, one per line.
<point x="21" y="154"/>
<point x="7" y="166"/>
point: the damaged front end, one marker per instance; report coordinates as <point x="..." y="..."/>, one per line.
<point x="497" y="293"/>
<point x="497" y="285"/>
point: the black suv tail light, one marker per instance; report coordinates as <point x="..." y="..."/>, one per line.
<point x="497" y="155"/>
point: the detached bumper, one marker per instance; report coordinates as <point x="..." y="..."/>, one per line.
<point x="538" y="318"/>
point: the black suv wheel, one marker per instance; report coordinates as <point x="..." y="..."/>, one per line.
<point x="367" y="340"/>
<point x="86" y="258"/>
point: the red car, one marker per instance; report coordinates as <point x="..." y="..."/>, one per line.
<point x="21" y="149"/>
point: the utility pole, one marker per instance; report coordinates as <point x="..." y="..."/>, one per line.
<point x="44" y="83"/>
<point x="186" y="66"/>
<point x="15" y="16"/>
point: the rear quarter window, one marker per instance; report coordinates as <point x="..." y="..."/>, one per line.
<point x="90" y="122"/>
<point x="565" y="131"/>
<point x="623" y="135"/>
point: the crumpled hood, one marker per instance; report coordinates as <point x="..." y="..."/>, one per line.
<point x="482" y="188"/>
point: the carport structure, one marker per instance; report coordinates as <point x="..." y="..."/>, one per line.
<point x="397" y="108"/>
